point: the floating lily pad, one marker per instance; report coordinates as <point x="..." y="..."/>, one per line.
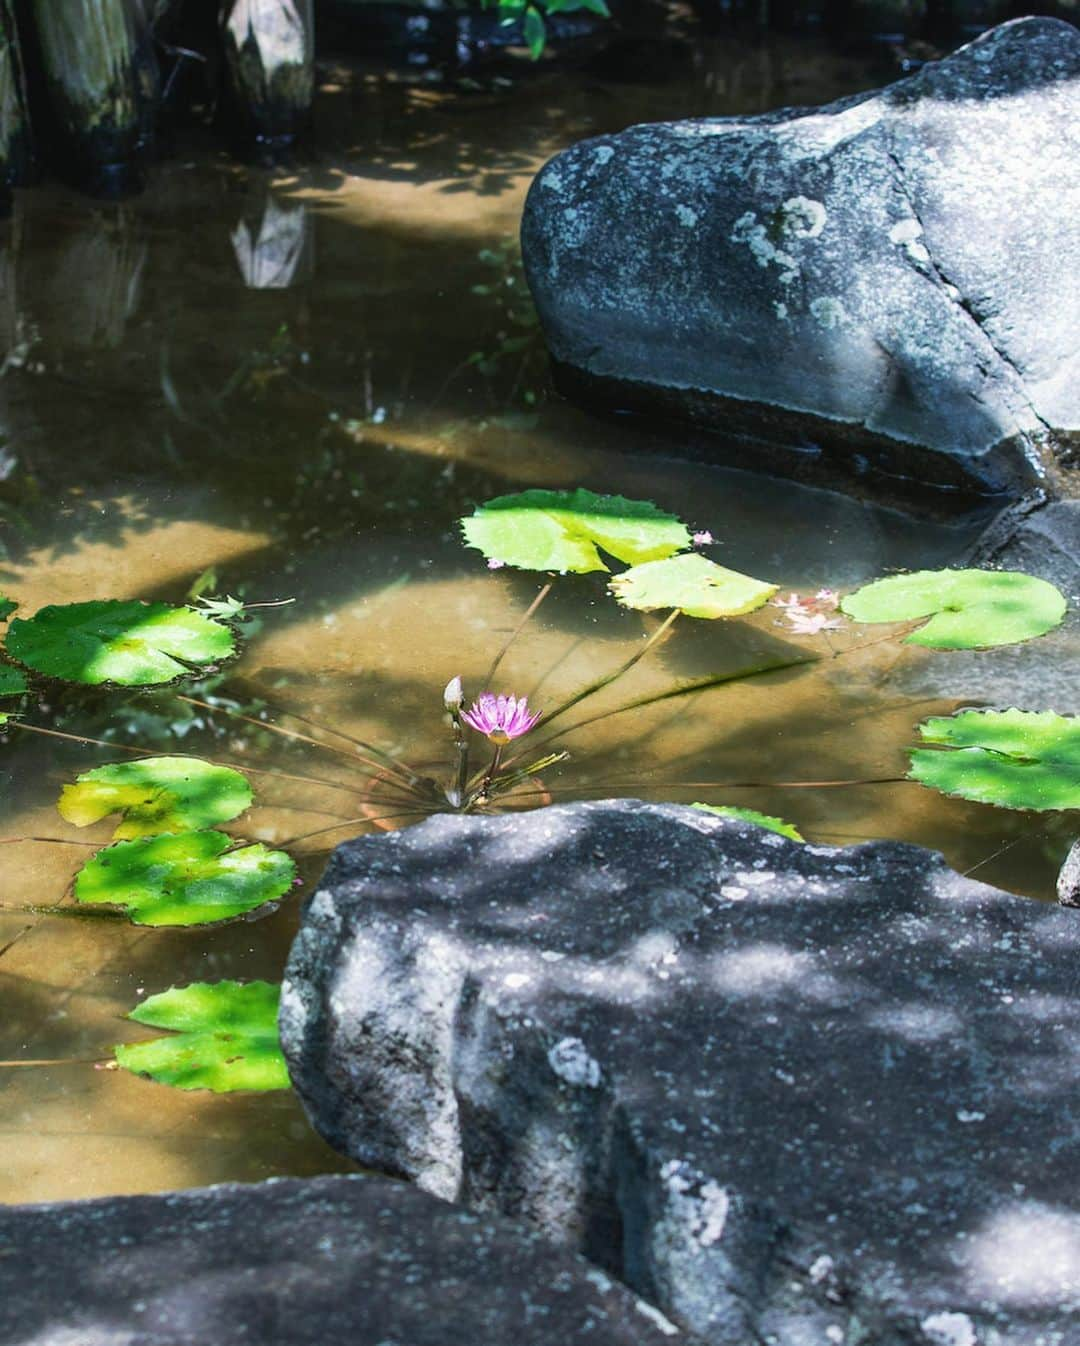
<point x="131" y="643"/>
<point x="968" y="609"/>
<point x="765" y="820"/>
<point x="1017" y="759"/>
<point x="156" y="794"/>
<point x="12" y="682"/>
<point x="693" y="584"/>
<point x="190" y="879"/>
<point x="561" y="530"/>
<point x="226" y="1038"/>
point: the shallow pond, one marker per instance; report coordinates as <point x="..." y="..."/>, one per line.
<point x="302" y="382"/>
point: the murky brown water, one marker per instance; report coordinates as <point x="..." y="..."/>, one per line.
<point x="299" y="382"/>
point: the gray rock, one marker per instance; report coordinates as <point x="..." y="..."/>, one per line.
<point x="791" y="1094"/>
<point x="1068" y="884"/>
<point x="892" y="277"/>
<point x="341" y="1261"/>
<point x="1038" y="674"/>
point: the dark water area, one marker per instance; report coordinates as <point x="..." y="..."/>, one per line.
<point x="300" y="380"/>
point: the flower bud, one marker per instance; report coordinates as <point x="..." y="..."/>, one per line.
<point x="453" y="696"/>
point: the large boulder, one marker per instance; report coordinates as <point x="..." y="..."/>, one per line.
<point x="342" y="1261"/>
<point x="889" y="281"/>
<point x="790" y="1094"/>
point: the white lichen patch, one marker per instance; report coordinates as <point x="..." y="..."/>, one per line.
<point x="570" y="1060"/>
<point x="905" y="231"/>
<point x="749" y="230"/>
<point x="828" y="312"/>
<point x="702" y="1204"/>
<point x="906" y="234"/>
<point x="949" y="1329"/>
<point x="658" y="1320"/>
<point x="804" y="218"/>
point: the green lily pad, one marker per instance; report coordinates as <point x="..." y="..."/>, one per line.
<point x="226" y="1038"/>
<point x="765" y="820"/>
<point x="968" y="609"/>
<point x="131" y="643"/>
<point x="1016" y="759"/>
<point x="693" y="584"/>
<point x="156" y="794"/>
<point x="561" y="530"/>
<point x="12" y="682"/>
<point x="190" y="879"/>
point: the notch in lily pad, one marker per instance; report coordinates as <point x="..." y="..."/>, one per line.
<point x="131" y="643"/>
<point x="224" y="1038"/>
<point x="196" y="878"/>
<point x="968" y="609"/>
<point x="567" y="530"/>
<point x="765" y="820"/>
<point x="1016" y="759"/>
<point x="155" y="795"/>
<point x="694" y="585"/>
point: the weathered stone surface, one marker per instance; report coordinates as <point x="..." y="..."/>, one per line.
<point x="1039" y="674"/>
<point x="891" y="277"/>
<point x="1068" y="884"/>
<point x="791" y="1094"/>
<point x="342" y="1261"/>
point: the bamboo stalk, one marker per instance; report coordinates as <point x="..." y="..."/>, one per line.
<point x="270" y="55"/>
<point x="16" y="145"/>
<point x="102" y="78"/>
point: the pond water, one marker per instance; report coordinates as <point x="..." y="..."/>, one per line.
<point x="302" y="381"/>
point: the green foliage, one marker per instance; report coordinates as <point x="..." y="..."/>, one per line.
<point x="693" y="584"/>
<point x="1017" y="759"/>
<point x="226" y="1038"/>
<point x="190" y="879"/>
<point x="561" y="530"/>
<point x="535" y="32"/>
<point x="532" y="19"/>
<point x="128" y="642"/>
<point x="12" y="681"/>
<point x="156" y="794"/>
<point x="765" y="820"/>
<point x="7" y="607"/>
<point x="227" y="609"/>
<point x="968" y="609"/>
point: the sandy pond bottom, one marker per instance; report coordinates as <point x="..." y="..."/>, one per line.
<point x="302" y="384"/>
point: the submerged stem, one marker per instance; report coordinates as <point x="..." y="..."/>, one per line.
<point x="60" y="1061"/>
<point x="609" y="678"/>
<point x="355" y="822"/>
<point x="391" y="763"/>
<point x="55" y="841"/>
<point x="490" y="674"/>
<point x="701" y="685"/>
<point x="373" y="763"/>
<point x="485" y="784"/>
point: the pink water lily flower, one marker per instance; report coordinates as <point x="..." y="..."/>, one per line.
<point x="501" y="718"/>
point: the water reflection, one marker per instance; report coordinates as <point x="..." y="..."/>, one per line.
<point x="278" y="251"/>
